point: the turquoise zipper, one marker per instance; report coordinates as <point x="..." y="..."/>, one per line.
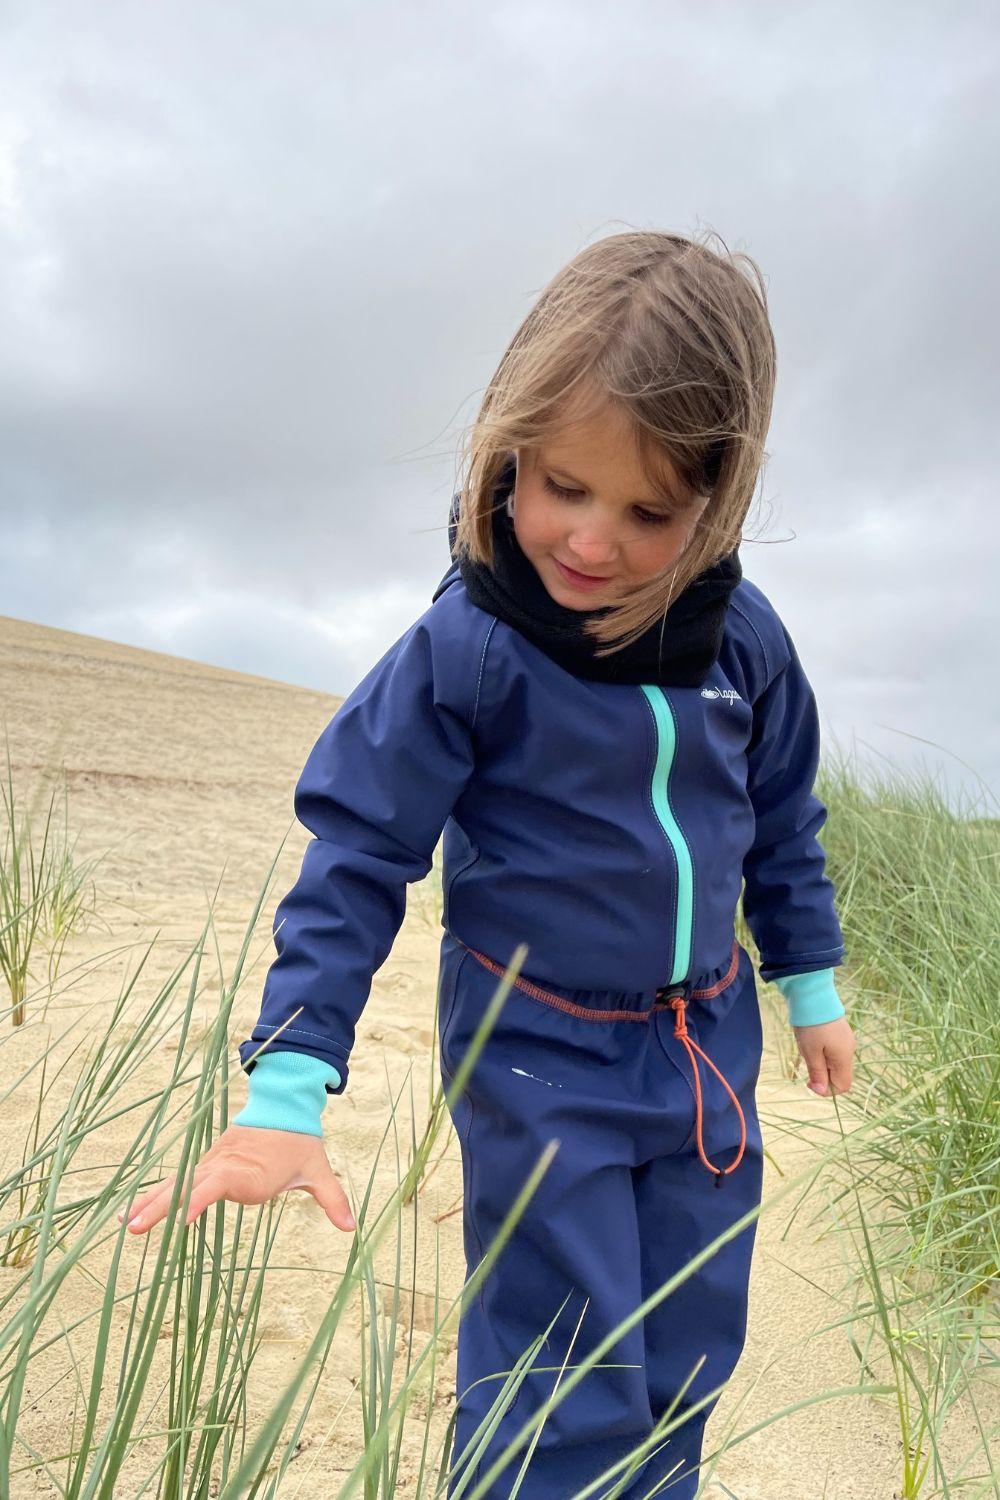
<point x="666" y="749"/>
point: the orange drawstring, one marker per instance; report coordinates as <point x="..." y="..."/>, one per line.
<point x="678" y="1003"/>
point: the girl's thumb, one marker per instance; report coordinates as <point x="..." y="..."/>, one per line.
<point x="330" y="1196"/>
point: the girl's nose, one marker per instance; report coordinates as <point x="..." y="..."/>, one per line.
<point x="593" y="548"/>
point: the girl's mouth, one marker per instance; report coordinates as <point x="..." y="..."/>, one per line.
<point x="579" y="580"/>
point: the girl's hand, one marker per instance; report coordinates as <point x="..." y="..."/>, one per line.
<point x="828" y="1052"/>
<point x="249" y="1164"/>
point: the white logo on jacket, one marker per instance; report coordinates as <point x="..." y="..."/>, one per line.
<point x="536" y="1078"/>
<point x="721" y="693"/>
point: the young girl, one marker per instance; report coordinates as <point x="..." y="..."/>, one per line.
<point x="612" y="728"/>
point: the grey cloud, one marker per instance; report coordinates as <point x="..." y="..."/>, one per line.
<point x="256" y="268"/>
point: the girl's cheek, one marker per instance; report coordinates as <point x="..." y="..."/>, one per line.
<point x="645" y="562"/>
<point x="538" y="531"/>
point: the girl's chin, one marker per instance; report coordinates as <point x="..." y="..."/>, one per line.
<point x="581" y="606"/>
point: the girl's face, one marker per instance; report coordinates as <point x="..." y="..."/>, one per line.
<point x="583" y="506"/>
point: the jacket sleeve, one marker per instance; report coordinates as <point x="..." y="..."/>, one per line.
<point x="376" y="791"/>
<point x="788" y="900"/>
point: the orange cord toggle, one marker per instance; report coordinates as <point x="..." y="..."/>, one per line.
<point x="678" y="1003"/>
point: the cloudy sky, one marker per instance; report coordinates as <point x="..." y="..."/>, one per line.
<point x="259" y="261"/>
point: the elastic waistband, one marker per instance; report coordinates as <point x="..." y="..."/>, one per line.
<point x="628" y="1005"/>
<point x="668" y="997"/>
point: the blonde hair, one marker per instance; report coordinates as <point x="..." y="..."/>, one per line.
<point x="672" y="334"/>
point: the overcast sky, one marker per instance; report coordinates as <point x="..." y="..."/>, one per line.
<point x="259" y="261"/>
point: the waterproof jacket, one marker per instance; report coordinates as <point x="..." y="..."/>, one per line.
<point x="607" y="826"/>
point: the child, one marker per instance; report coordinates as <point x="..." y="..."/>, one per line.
<point x="613" y="730"/>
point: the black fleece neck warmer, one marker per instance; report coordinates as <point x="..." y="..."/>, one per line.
<point x="512" y="590"/>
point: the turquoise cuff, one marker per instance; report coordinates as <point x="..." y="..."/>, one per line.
<point x="811" y="998"/>
<point x="288" y="1092"/>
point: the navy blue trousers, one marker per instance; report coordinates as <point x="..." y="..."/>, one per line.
<point x="625" y="1202"/>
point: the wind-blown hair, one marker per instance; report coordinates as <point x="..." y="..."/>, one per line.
<point x="677" y="337"/>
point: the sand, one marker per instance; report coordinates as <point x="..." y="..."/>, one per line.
<point x="183" y="773"/>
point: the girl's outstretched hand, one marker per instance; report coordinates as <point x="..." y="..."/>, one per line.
<point x="828" y="1052"/>
<point x="251" y="1164"/>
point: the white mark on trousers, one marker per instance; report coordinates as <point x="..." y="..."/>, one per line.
<point x="537" y="1080"/>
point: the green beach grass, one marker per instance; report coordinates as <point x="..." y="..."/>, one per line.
<point x="159" y="1377"/>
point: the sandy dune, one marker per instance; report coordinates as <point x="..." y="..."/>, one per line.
<point x="181" y="769"/>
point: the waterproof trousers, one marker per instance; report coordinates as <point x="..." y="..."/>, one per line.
<point x="624" y="1204"/>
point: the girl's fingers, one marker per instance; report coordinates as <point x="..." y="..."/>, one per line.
<point x="330" y="1196"/>
<point x="141" y="1204"/>
<point x="207" y="1192"/>
<point x="152" y="1206"/>
<point x="151" y="1209"/>
<point x="840" y="1077"/>
<point x="840" y="1080"/>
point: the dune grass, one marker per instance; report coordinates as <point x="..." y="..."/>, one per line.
<point x="920" y="906"/>
<point x="172" y="1343"/>
<point x="161" y="1370"/>
<point x="46" y="891"/>
<point x="915" y="1200"/>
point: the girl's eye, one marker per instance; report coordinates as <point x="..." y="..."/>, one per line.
<point x="557" y="489"/>
<point x="647" y="517"/>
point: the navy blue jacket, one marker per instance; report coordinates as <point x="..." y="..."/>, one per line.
<point x="568" y="806"/>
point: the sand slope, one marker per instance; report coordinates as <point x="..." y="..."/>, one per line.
<point x="180" y="769"/>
